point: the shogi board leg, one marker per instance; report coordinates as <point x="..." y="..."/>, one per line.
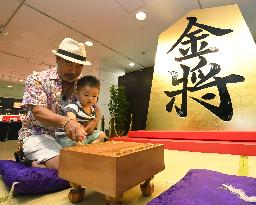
<point x="146" y="188"/>
<point x="114" y="200"/>
<point x="76" y="194"/>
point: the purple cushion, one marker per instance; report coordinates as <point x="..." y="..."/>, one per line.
<point x="202" y="187"/>
<point x="32" y="180"/>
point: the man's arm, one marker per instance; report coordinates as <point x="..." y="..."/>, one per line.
<point x="46" y="116"/>
<point x="72" y="128"/>
<point x="35" y="99"/>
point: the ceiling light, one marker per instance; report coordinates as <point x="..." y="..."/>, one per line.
<point x="88" y="43"/>
<point x="131" y="64"/>
<point x="9" y="86"/>
<point x="21" y="80"/>
<point x="141" y="16"/>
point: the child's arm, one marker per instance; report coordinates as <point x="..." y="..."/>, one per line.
<point x="71" y="110"/>
<point x="71" y="115"/>
<point x="92" y="124"/>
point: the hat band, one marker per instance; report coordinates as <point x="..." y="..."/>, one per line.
<point x="72" y="55"/>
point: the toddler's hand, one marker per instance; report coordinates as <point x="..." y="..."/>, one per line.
<point x="82" y="137"/>
<point x="75" y="131"/>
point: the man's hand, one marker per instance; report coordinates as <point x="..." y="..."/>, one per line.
<point x="75" y="131"/>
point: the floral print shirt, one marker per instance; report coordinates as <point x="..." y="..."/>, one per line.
<point x="42" y="88"/>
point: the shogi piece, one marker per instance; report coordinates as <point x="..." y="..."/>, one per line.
<point x="111" y="168"/>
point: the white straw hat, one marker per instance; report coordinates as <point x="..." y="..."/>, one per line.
<point x="73" y="51"/>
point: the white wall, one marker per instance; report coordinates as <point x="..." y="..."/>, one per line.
<point x="107" y="78"/>
<point x="93" y="72"/>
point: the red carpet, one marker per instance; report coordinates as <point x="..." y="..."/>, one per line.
<point x="226" y="142"/>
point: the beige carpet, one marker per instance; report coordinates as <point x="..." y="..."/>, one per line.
<point x="177" y="164"/>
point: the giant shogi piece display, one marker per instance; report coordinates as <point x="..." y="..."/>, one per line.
<point x="111" y="168"/>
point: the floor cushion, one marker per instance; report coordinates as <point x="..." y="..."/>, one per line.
<point x="31" y="180"/>
<point x="205" y="187"/>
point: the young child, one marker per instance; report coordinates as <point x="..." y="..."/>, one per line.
<point x="88" y="88"/>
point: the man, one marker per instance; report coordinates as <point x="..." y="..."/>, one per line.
<point x="45" y="94"/>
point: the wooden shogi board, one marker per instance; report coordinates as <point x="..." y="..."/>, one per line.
<point x="112" y="167"/>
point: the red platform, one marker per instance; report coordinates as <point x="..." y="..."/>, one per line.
<point x="7" y="118"/>
<point x="223" y="142"/>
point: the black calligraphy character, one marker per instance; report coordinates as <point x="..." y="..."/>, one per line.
<point x="193" y="38"/>
<point x="224" y="111"/>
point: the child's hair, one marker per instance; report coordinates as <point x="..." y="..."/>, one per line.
<point x="88" y="80"/>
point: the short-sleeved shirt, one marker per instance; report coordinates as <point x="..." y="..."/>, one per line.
<point x="81" y="116"/>
<point x="42" y="88"/>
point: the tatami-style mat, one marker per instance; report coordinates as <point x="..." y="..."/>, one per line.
<point x="177" y="165"/>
